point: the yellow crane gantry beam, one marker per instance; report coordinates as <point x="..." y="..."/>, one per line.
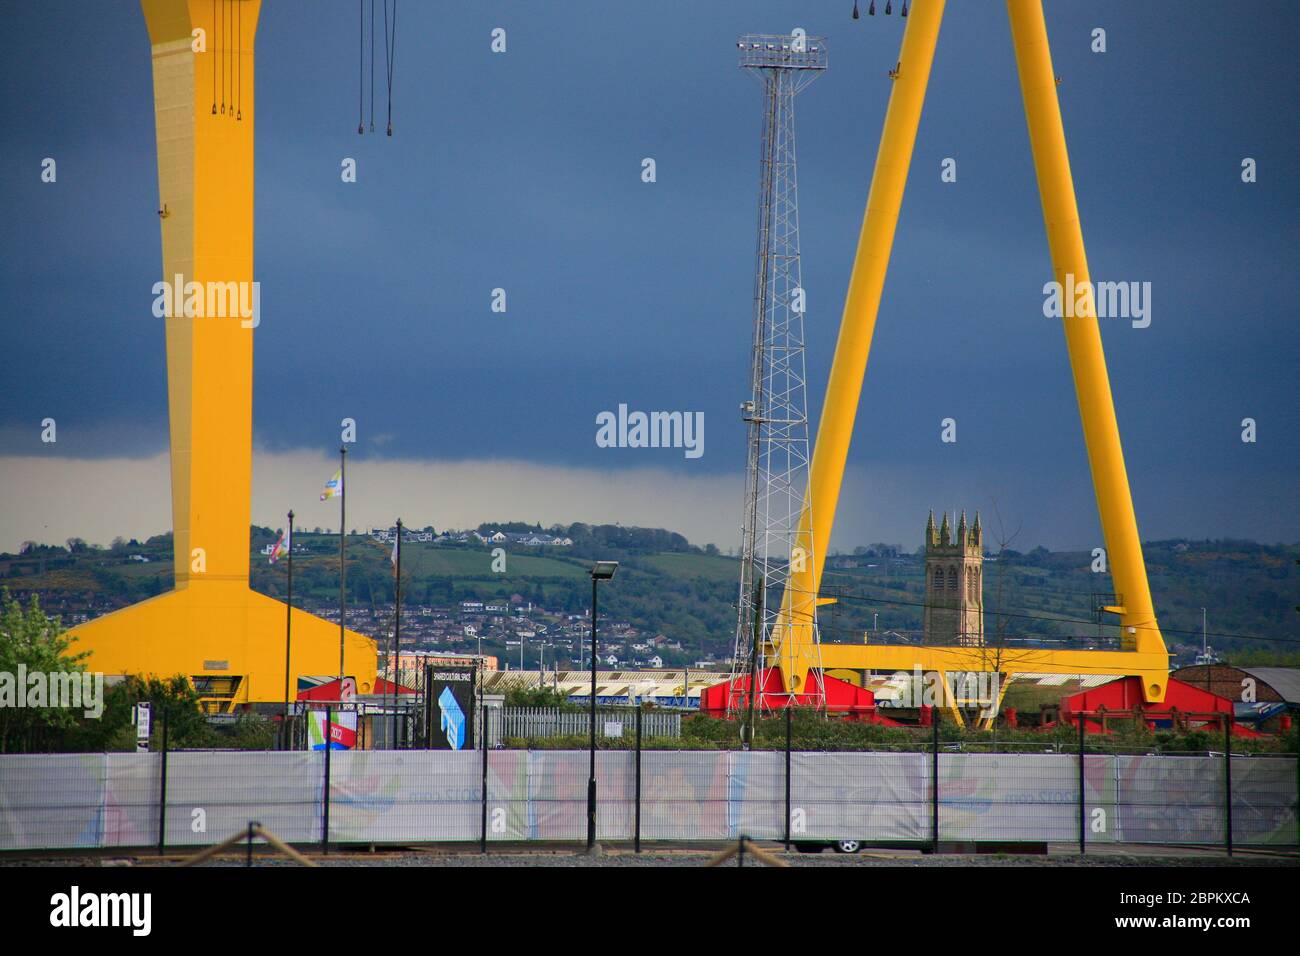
<point x="1144" y="653"/>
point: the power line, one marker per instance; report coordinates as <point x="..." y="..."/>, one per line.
<point x="1064" y="592"/>
<point x="1067" y="620"/>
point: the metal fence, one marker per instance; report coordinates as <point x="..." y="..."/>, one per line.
<point x="922" y="798"/>
<point x="523" y="723"/>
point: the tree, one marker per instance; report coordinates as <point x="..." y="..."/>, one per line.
<point x="538" y="697"/>
<point x="34" y="641"/>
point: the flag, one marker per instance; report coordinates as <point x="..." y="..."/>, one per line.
<point x="281" y="547"/>
<point x="393" y="557"/>
<point x="333" y="487"/>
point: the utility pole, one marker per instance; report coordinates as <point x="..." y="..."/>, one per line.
<point x="601" y="571"/>
<point x="397" y="622"/>
<point x="343" y="566"/>
<point x="1205" y="652"/>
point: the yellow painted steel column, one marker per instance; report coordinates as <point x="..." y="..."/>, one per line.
<point x="844" y="390"/>
<point x="212" y="625"/>
<point x="1082" y="334"/>
<point x="205" y="182"/>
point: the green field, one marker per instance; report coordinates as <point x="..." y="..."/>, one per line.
<point x="701" y="566"/>
<point x="690" y="595"/>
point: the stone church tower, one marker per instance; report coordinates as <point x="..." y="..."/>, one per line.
<point x="954" y="584"/>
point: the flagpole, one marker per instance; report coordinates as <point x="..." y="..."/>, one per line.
<point x="288" y="636"/>
<point x="343" y="568"/>
<point x="397" y="625"/>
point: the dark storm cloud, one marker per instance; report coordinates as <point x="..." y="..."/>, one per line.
<point x="522" y="171"/>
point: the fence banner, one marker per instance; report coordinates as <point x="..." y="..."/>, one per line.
<point x="131" y="798"/>
<point x="860" y="796"/>
<point x="385" y="796"/>
<point x="212" y="795"/>
<point x="1181" y="800"/>
<point x="685" y="795"/>
<point x="1025" y="797"/>
<point x="407" y="796"/>
<point x="52" y="800"/>
<point x="756" y="794"/>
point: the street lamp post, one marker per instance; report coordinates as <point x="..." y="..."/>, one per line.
<point x="600" y="571"/>
<point x="288" y="639"/>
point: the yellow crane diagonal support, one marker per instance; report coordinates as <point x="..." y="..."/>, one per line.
<point x="844" y="390"/>
<point x="1082" y="334"/>
<point x="1144" y="651"/>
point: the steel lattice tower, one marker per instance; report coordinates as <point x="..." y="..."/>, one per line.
<point x="776" y="415"/>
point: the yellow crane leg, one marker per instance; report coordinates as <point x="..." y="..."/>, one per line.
<point x="844" y="390"/>
<point x="212" y="625"/>
<point x="950" y="701"/>
<point x="1144" y="651"/>
<point x="1083" y="337"/>
<point x="986" y="721"/>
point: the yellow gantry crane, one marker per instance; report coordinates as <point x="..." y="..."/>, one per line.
<point x="1143" y="653"/>
<point x="212" y="628"/>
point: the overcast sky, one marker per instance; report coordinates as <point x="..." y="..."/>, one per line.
<point x="522" y="171"/>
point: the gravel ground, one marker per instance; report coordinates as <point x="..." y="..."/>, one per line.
<point x="695" y="856"/>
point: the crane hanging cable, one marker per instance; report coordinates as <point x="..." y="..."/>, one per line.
<point x="220" y="51"/>
<point x="390" y="46"/>
<point x="372" y="66"/>
<point x="213" y="52"/>
<point x="361" y="66"/>
<point x="390" y="50"/>
<point x="239" y="62"/>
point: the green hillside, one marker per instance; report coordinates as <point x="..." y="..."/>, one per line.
<point x="666" y="586"/>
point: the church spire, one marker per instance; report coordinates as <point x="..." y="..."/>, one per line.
<point x="961" y="530"/>
<point x="945" y="531"/>
<point x="930" y="538"/>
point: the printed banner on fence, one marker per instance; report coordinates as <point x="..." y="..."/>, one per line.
<point x="111" y="800"/>
<point x="342" y="729"/>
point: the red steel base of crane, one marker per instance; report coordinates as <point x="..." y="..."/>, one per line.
<point x="1120" y="702"/>
<point x="841" y="697"/>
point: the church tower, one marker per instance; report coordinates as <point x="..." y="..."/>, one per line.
<point x="954" y="583"/>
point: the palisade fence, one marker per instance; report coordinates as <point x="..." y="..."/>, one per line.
<point x="927" y="796"/>
<point x="377" y="731"/>
<point x="539" y="722"/>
